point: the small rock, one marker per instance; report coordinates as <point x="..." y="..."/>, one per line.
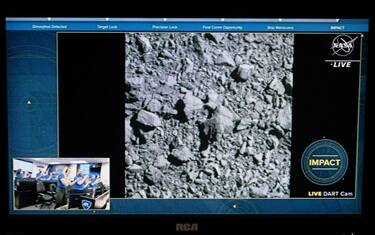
<point x="258" y="157"/>
<point x="192" y="175"/>
<point x="135" y="168"/>
<point x="223" y="79"/>
<point x="213" y="99"/>
<point x="221" y="122"/>
<point x="275" y="142"/>
<point x="188" y="65"/>
<point x="161" y="161"/>
<point x="277" y="131"/>
<point x="249" y="38"/>
<point x="153" y="175"/>
<point x="182" y="154"/>
<point x="192" y="104"/>
<point x="144" y="44"/>
<point x="223" y="162"/>
<point x="206" y="152"/>
<point x="154" y="106"/>
<point x="243" y="124"/>
<point x="238" y="59"/>
<point x="243" y="72"/>
<point x="215" y="37"/>
<point x="285" y="117"/>
<point x="259" y="192"/>
<point x="170" y="81"/>
<point x="224" y="59"/>
<point x="129" y="135"/>
<point x="166" y="54"/>
<point x="277" y="86"/>
<point x="134" y="82"/>
<point x="142" y="193"/>
<point x="288" y="84"/>
<point x="148" y="119"/>
<point x="243" y="148"/>
<point x="128" y="160"/>
<point x="168" y="111"/>
<point x="268" y="98"/>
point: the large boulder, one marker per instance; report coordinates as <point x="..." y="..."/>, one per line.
<point x="148" y="119"/>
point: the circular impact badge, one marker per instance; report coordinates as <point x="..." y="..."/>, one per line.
<point x="324" y="162"/>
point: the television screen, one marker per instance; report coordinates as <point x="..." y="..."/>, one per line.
<point x="182" y="116"/>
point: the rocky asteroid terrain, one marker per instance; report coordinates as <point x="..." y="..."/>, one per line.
<point x="208" y="115"/>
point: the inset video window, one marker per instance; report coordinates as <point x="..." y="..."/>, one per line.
<point x="61" y="184"/>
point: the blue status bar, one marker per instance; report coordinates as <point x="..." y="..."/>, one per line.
<point x="188" y="24"/>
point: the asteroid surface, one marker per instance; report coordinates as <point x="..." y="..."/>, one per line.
<point x="208" y="115"/>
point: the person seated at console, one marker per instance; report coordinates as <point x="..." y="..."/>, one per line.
<point x="19" y="174"/>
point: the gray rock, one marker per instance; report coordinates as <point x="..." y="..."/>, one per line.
<point x="188" y="66"/>
<point x="215" y="37"/>
<point x="128" y="160"/>
<point x="171" y="81"/>
<point x="243" y="124"/>
<point x="198" y="45"/>
<point x="161" y="162"/>
<point x="135" y="168"/>
<point x="213" y="99"/>
<point x="192" y="104"/>
<point x="259" y="192"/>
<point x="277" y="86"/>
<point x="168" y="110"/>
<point x="142" y="193"/>
<point x="134" y="82"/>
<point x="288" y="84"/>
<point x="243" y="72"/>
<point x="154" y="106"/>
<point x="182" y="154"/>
<point x="129" y="135"/>
<point x="166" y="54"/>
<point x="153" y="175"/>
<point x="238" y="59"/>
<point x="224" y="59"/>
<point x="243" y="148"/>
<point x="144" y="44"/>
<point x="148" y="119"/>
<point x="259" y="158"/>
<point x="220" y="123"/>
<point x="285" y="117"/>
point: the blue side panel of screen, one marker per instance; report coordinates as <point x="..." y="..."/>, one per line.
<point x="32" y="93"/>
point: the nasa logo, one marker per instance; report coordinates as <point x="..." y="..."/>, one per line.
<point x="86" y="204"/>
<point x="343" y="45"/>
